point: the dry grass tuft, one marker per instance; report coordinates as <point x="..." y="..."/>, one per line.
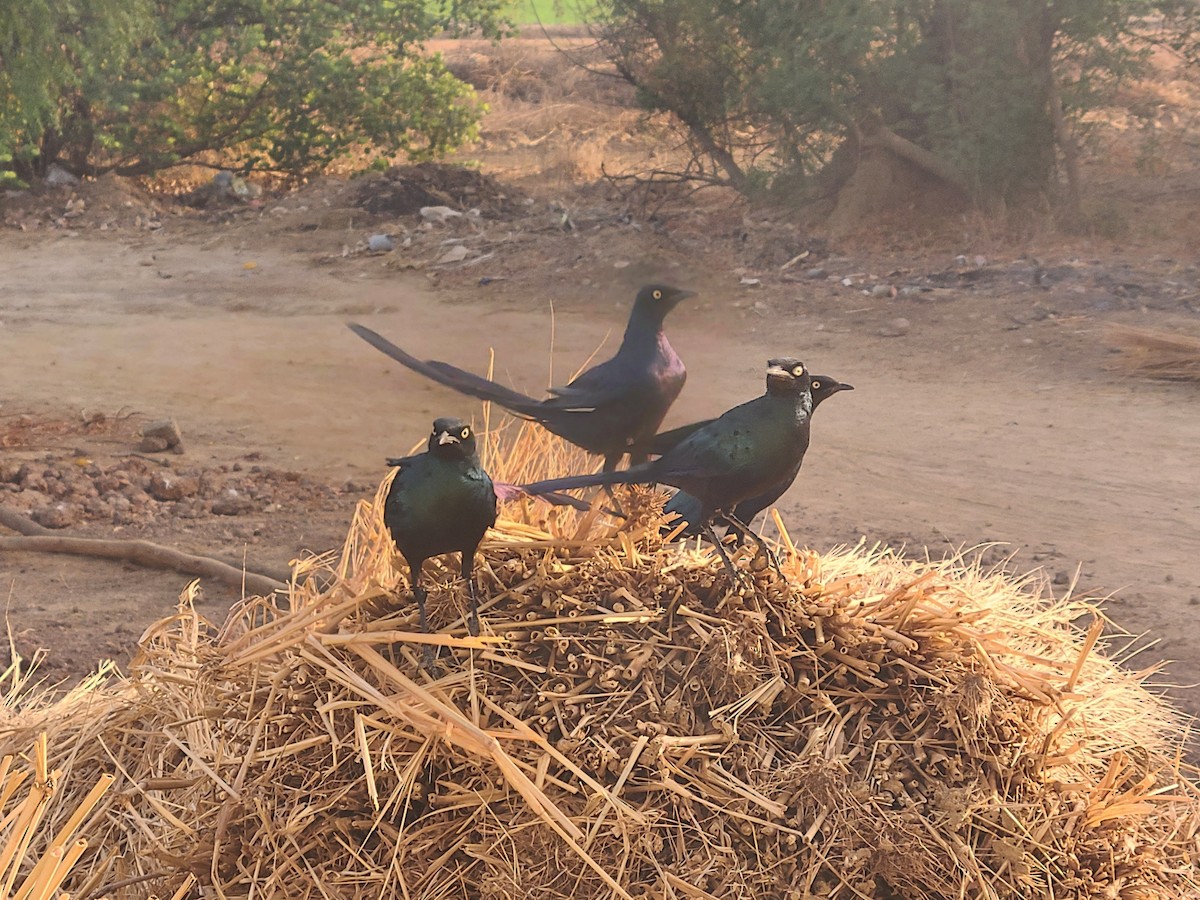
<point x="628" y="726"/>
<point x="1156" y="354"/>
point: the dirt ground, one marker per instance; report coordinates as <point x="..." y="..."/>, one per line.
<point x="987" y="408"/>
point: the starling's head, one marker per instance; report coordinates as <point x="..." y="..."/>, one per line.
<point x="824" y="387"/>
<point x="660" y="299"/>
<point x="787" y="375"/>
<point x="452" y="439"/>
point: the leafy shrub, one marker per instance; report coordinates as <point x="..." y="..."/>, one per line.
<point x="271" y="84"/>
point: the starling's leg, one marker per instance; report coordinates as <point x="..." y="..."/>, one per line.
<point x="468" y="574"/>
<point x="734" y="575"/>
<point x="737" y="527"/>
<point x="430" y="652"/>
<point x="743" y="531"/>
<point x="611" y="462"/>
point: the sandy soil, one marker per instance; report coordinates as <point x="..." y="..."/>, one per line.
<point x="990" y="415"/>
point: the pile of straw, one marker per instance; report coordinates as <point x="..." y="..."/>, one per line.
<point x="629" y="726"/>
<point x="23" y="804"/>
<point x="1156" y="354"/>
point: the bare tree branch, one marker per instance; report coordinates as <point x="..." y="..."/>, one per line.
<point x="34" y="538"/>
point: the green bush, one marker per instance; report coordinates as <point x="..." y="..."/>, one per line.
<point x="53" y="57"/>
<point x="270" y="84"/>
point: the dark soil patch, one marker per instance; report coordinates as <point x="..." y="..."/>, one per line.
<point x="403" y="190"/>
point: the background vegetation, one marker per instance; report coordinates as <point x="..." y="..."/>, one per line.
<point x="137" y="85"/>
<point x="770" y="95"/>
<point x="987" y="97"/>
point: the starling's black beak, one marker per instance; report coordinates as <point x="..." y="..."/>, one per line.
<point x="842" y="386"/>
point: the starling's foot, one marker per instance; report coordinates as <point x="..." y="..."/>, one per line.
<point x="429" y="656"/>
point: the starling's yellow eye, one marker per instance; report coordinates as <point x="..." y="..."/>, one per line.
<point x="816" y="385"/>
<point x="657" y="295"/>
<point x="798" y="371"/>
<point x="465" y="433"/>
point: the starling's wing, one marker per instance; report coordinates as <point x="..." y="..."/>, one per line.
<point x="745" y="511"/>
<point x="665" y="441"/>
<point x="616" y="381"/>
<point x="401" y="461"/>
<point x="450" y="376"/>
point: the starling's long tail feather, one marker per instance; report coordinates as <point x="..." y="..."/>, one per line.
<point x="506" y="492"/>
<point x="450" y="376"/>
<point x="637" y="475"/>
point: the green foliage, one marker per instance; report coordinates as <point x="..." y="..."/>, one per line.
<point x="777" y="85"/>
<point x="51" y="54"/>
<point x="270" y="84"/>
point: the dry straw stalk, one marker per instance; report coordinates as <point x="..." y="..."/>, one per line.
<point x="627" y="725"/>
<point x="1155" y="354"/>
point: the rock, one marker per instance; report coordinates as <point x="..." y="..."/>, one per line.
<point x="57" y="176"/>
<point x="168" y="486"/>
<point x="816" y="273"/>
<point x="895" y="328"/>
<point x="60" y="515"/>
<point x="164" y="430"/>
<point x="136" y="496"/>
<point x="210" y="484"/>
<point x="193" y="508"/>
<point x="10" y="472"/>
<point x="232" y="503"/>
<point x="380" y="243"/>
<point x="98" y="509"/>
<point x="31" y="479"/>
<point x="122" y="510"/>
<point x="882" y="290"/>
<point x="110" y="482"/>
<point x="747" y="281"/>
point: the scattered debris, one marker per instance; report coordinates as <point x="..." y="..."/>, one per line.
<point x="439" y="215"/>
<point x="453" y="254"/>
<point x="404" y="190"/>
<point x="381" y="243"/>
<point x="895" y="328"/>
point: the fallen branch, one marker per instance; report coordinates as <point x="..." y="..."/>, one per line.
<point x="882" y="136"/>
<point x="21" y="524"/>
<point x="142" y="553"/>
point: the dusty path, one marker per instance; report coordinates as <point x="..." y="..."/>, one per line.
<point x="961" y="432"/>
